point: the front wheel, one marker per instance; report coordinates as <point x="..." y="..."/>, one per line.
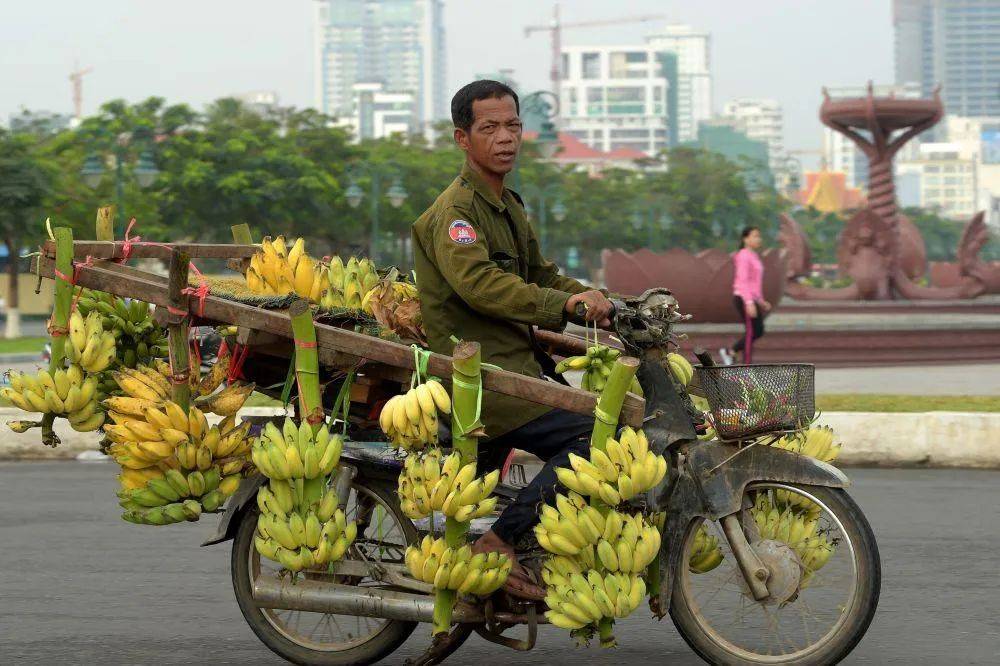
<point x="826" y="578"/>
<point x="324" y="638"/>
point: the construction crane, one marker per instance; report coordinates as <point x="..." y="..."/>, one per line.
<point x="76" y="78"/>
<point x="556" y="27"/>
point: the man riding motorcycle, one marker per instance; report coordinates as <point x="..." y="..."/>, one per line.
<point x="482" y="277"/>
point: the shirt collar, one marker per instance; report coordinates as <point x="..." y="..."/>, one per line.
<point x="472" y="177"/>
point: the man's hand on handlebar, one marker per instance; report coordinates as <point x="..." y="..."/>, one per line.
<point x="597" y="307"/>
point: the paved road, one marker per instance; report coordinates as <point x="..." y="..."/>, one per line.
<point x="79" y="586"/>
<point x="981" y="379"/>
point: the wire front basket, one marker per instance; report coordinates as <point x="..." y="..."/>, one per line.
<point x="747" y="401"/>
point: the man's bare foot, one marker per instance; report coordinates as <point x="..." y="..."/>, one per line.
<point x="519" y="583"/>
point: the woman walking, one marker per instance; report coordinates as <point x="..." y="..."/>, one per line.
<point x="748" y="295"/>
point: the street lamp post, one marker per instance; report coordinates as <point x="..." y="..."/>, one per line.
<point x="543" y="197"/>
<point x="145" y="171"/>
<point x="377" y="174"/>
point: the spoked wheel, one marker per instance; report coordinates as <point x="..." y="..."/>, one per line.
<point x="323" y="638"/>
<point x="825" y="582"/>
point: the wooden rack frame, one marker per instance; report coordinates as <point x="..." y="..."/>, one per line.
<point x="337" y="347"/>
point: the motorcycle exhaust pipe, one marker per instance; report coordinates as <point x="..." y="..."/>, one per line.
<point x="323" y="597"/>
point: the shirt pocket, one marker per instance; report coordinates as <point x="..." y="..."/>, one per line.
<point x="507" y="259"/>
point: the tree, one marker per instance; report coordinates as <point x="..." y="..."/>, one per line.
<point x="26" y="181"/>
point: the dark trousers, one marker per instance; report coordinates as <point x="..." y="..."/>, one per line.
<point x="755" y="328"/>
<point x="551" y="437"/>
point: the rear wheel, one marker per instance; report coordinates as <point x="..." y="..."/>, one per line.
<point x="323" y="638"/>
<point x="826" y="578"/>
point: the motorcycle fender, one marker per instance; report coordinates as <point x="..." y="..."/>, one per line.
<point x="244" y="495"/>
<point x="710" y="488"/>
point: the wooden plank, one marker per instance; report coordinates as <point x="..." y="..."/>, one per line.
<point x="113" y="250"/>
<point x="108" y="277"/>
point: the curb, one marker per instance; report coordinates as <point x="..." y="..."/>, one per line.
<point x="870" y="439"/>
<point x="20" y="358"/>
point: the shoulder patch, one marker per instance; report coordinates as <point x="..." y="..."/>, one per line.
<point x="462" y="232"/>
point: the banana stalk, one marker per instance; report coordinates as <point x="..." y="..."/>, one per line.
<point x="105" y="224"/>
<point x="609" y="408"/>
<point x="63" y="302"/>
<point x="178" y="328"/>
<point x="307" y="379"/>
<point x="465" y="391"/>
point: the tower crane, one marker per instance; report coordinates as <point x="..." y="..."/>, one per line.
<point x="556" y="27"/>
<point x="76" y="77"/>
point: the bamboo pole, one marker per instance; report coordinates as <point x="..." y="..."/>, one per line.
<point x="241" y="234"/>
<point x="307" y="379"/>
<point x="465" y="431"/>
<point x="105" y="223"/>
<point x="178" y="327"/>
<point x="59" y="324"/>
<point x="607" y="412"/>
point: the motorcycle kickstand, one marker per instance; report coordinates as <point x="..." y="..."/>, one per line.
<point x="442" y="646"/>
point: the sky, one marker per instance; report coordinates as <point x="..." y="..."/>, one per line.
<point x="196" y="51"/>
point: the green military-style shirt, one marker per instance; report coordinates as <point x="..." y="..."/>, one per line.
<point x="482" y="277"/>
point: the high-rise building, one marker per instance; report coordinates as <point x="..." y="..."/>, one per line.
<point x="947" y="179"/>
<point x="694" y="75"/>
<point x="841" y="154"/>
<point x="761" y="120"/>
<point x="637" y="97"/>
<point x="398" y="44"/>
<point x="954" y="43"/>
<point x="614" y="97"/>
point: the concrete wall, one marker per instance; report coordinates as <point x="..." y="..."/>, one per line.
<point x="30" y="302"/>
<point x="932" y="439"/>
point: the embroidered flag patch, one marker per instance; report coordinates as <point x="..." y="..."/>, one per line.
<point x="462" y="232"/>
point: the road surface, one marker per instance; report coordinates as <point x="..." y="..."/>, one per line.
<point x="80" y="586"/>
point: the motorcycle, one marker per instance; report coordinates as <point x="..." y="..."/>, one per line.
<point x="762" y="604"/>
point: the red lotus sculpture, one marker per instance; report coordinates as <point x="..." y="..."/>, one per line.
<point x="702" y="283"/>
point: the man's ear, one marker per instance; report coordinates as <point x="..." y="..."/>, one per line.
<point x="462" y="138"/>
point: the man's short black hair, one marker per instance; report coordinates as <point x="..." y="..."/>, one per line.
<point x="461" y="103"/>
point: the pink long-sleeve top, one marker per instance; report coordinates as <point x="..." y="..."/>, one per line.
<point x="748" y="279"/>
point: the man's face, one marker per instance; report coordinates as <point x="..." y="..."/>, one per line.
<point x="495" y="136"/>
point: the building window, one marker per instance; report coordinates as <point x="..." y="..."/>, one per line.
<point x="565" y="66"/>
<point x="595" y="101"/>
<point x="591" y="66"/>
<point x="626" y="100"/>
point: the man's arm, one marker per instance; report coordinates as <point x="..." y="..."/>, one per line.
<point x="486" y="287"/>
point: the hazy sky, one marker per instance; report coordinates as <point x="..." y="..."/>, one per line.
<point x="194" y="52"/>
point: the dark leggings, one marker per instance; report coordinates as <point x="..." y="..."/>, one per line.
<point x="756" y="324"/>
<point x="551" y="437"/>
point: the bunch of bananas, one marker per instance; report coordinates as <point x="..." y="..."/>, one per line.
<point x="458" y="569"/>
<point x="800" y="531"/>
<point x="396" y="291"/>
<point x="428" y="483"/>
<point x="300" y="526"/>
<point x="277" y="270"/>
<point x="71" y="393"/>
<point x="577" y="597"/>
<point x="596" y="366"/>
<point x="623" y="542"/>
<point x="410" y="420"/>
<point x="815" y="442"/>
<point x="626" y="469"/>
<point x="294" y="452"/>
<point x="140" y="339"/>
<point x="350" y="284"/>
<point x="299" y="533"/>
<point x="680" y="368"/>
<point x="705" y="552"/>
<point x="88" y="344"/>
<point x="170" y="456"/>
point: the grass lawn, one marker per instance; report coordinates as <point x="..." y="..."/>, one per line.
<point x="22" y="345"/>
<point x="860" y="402"/>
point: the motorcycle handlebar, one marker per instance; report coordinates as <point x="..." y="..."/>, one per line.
<point x="579" y="315"/>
